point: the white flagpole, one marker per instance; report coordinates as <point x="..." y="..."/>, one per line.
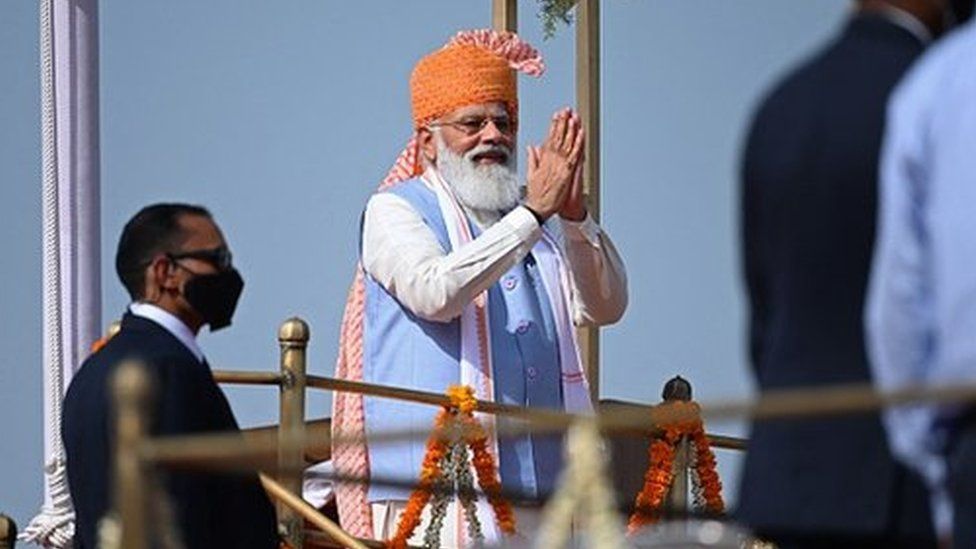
<point x="71" y="233"/>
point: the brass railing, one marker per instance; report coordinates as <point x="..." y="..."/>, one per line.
<point x="289" y="448"/>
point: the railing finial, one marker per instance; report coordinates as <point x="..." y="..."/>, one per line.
<point x="294" y="331"/>
<point x="677" y="388"/>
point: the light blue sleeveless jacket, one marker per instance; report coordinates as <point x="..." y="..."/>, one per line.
<point x="404" y="350"/>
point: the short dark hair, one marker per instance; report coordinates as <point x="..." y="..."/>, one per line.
<point x="155" y="229"/>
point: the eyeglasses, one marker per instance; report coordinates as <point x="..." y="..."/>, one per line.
<point x="219" y="257"/>
<point x="476" y="124"/>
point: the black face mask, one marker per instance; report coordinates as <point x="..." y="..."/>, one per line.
<point x="214" y="296"/>
<point x="961" y="10"/>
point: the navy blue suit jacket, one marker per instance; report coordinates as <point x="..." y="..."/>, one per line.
<point x="809" y="181"/>
<point x="211" y="510"/>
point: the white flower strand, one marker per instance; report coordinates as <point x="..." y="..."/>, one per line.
<point x="583" y="484"/>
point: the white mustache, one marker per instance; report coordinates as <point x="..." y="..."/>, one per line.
<point x="486" y="149"/>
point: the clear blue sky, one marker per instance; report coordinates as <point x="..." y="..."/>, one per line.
<point x="282" y="116"/>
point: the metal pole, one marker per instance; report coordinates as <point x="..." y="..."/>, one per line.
<point x="293" y="339"/>
<point x="677" y="502"/>
<point x="131" y="392"/>
<point x="679" y="389"/>
<point x="588" y="104"/>
<point x="504" y="15"/>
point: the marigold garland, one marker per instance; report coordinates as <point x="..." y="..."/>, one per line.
<point x="660" y="468"/>
<point x="706" y="471"/>
<point x="488" y="478"/>
<point x="455" y="425"/>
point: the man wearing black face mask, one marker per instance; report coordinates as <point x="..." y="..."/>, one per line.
<point x="175" y="264"/>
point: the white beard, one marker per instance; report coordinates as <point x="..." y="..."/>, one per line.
<point x="489" y="188"/>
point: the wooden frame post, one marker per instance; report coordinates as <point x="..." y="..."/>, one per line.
<point x="293" y="339"/>
<point x="504" y="15"/>
<point x="588" y="104"/>
<point x="131" y="393"/>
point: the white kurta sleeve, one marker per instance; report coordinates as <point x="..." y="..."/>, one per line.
<point x="597" y="272"/>
<point x="404" y="256"/>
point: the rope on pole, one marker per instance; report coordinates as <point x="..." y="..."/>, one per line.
<point x="54" y="525"/>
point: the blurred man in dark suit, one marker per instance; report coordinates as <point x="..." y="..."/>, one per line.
<point x="175" y="264"/>
<point x="809" y="187"/>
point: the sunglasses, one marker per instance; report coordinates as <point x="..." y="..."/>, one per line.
<point x="219" y="257"/>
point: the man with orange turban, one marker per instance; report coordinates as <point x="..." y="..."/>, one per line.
<point x="462" y="280"/>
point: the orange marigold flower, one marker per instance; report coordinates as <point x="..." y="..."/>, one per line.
<point x="685" y="421"/>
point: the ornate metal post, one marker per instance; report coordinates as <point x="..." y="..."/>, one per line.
<point x="679" y="388"/>
<point x="293" y="339"/>
<point x="131" y="392"/>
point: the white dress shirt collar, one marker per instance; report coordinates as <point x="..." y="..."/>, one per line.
<point x="171" y="323"/>
<point x="908" y="22"/>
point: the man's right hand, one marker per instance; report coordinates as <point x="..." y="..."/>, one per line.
<point x="552" y="165"/>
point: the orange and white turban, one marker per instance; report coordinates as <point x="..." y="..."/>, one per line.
<point x="475" y="66"/>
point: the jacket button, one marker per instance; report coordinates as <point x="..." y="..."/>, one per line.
<point x="532" y="372"/>
<point x="523" y="327"/>
<point x="510" y="283"/>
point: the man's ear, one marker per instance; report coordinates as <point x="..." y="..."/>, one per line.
<point x="161" y="274"/>
<point x="427" y="145"/>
